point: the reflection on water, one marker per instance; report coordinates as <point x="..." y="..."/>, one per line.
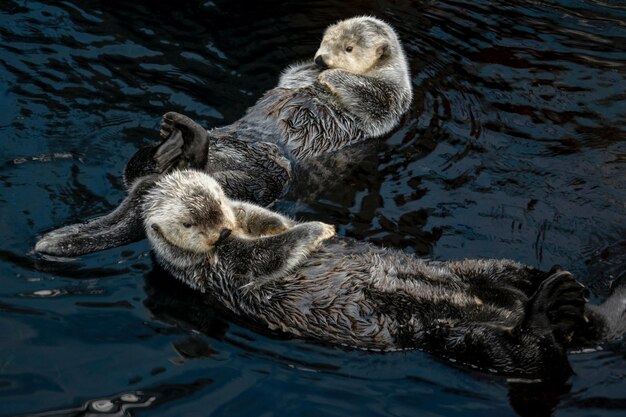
<point x="514" y="147"/>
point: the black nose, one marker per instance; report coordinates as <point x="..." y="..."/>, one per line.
<point x="319" y="61"/>
<point x="224" y="235"/>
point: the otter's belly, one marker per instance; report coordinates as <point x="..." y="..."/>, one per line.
<point x="325" y="300"/>
<point x="309" y="121"/>
<point x="354" y="294"/>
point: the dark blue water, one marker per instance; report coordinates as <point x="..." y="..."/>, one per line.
<point x="514" y="147"/>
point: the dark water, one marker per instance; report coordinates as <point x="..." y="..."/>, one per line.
<point x="514" y="147"/>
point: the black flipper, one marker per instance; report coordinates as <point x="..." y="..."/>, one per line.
<point x="154" y="159"/>
<point x="257" y="172"/>
<point x="123" y="225"/>
<point x="559" y="305"/>
<point x="196" y="143"/>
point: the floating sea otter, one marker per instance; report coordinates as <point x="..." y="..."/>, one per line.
<point x="358" y="88"/>
<point x="497" y="315"/>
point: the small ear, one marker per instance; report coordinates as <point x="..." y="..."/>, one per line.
<point x="383" y="50"/>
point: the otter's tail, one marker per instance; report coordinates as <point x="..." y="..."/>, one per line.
<point x="613" y="314"/>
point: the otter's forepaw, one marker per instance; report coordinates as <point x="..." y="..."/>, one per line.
<point x="559" y="303"/>
<point x="326" y="231"/>
<point x="329" y="231"/>
<point x="275" y="229"/>
<point x="269" y="227"/>
<point x="327" y="78"/>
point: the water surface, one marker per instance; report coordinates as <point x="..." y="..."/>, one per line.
<point x="514" y="147"/>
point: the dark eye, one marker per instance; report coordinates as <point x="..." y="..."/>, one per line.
<point x="348" y="49"/>
<point x="187" y="225"/>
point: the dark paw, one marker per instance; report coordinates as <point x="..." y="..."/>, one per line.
<point x="537" y="276"/>
<point x="272" y="227"/>
<point x="194" y="137"/>
<point x="168" y="123"/>
<point x="559" y="304"/>
<point x="186" y="125"/>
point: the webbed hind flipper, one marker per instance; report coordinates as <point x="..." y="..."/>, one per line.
<point x="196" y="143"/>
<point x="155" y="159"/>
<point x="557" y="305"/>
<point x="185" y="144"/>
<point x="122" y="226"/>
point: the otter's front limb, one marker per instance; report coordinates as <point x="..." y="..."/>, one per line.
<point x="299" y="75"/>
<point x="122" y="226"/>
<point x="258" y="221"/>
<point x="255" y="261"/>
<point x="377" y="102"/>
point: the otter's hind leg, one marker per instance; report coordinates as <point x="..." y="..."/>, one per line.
<point x="195" y="137"/>
<point x="184" y="145"/>
<point x="122" y="226"/>
<point x="535" y="347"/>
<point x="154" y="159"/>
<point x="500" y="281"/>
<point x="518" y="351"/>
<point x="559" y="305"/>
<point x="125" y="224"/>
<point x="255" y="172"/>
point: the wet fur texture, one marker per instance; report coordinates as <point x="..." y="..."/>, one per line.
<point x="497" y="315"/>
<point x="312" y="111"/>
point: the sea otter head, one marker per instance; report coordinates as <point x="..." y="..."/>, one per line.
<point x="187" y="213"/>
<point x="357" y="45"/>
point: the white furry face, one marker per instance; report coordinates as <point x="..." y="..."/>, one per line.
<point x="187" y="210"/>
<point x="355" y="45"/>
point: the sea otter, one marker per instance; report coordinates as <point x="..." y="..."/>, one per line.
<point x="357" y="88"/>
<point x="497" y="315"/>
